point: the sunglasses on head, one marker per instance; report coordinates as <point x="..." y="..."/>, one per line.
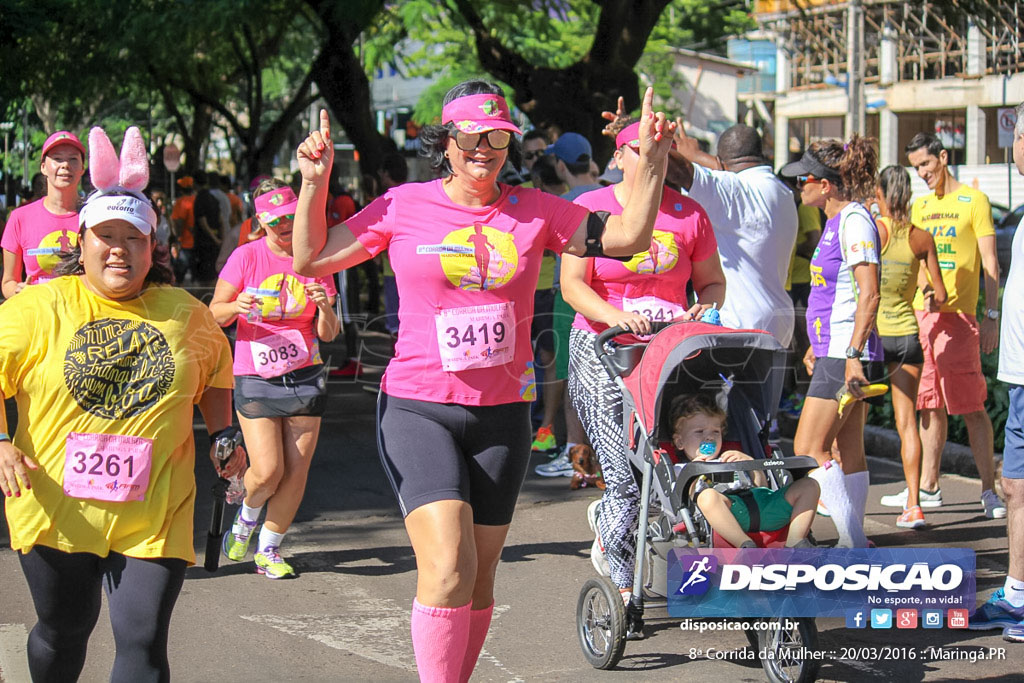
<point x="496" y="139"/>
<point x="273" y="222"/>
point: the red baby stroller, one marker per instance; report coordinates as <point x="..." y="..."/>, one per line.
<point x="748" y="368"/>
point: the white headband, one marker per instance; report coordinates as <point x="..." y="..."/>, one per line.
<point x="126" y="207"/>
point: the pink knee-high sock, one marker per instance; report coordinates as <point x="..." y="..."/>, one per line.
<point x="479" y="622"/>
<point x="439" y="639"/>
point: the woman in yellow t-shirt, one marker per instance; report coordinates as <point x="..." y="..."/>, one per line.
<point x="99" y="479"/>
<point x="904" y="246"/>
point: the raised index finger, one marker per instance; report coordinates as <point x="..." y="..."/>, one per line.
<point x="325" y="124"/>
<point x="647" y="109"/>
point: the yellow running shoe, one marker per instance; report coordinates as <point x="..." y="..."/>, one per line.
<point x="270" y="562"/>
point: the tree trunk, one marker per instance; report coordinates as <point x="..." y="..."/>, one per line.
<point x="343" y="84"/>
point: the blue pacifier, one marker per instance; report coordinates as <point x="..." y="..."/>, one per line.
<point x="707" y="447"/>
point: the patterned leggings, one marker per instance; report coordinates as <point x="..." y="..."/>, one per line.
<point x="599" y="404"/>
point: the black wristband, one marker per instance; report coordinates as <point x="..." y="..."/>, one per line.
<point x="596" y="222"/>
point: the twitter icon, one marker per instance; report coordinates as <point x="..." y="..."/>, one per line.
<point x="881" y="618"/>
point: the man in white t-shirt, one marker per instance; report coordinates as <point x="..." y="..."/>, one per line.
<point x="1005" y="609"/>
<point x="755" y="221"/>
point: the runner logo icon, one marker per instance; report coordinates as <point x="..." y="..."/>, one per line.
<point x="696" y="579"/>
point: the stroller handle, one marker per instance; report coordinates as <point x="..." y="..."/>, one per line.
<point x="612" y="332"/>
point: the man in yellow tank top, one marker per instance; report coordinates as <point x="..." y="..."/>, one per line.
<point x="960" y="220"/>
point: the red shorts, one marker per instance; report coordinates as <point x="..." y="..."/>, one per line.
<point x="951" y="377"/>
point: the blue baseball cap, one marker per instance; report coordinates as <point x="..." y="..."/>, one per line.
<point x="570" y="147"/>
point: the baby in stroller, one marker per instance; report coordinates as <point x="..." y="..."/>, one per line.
<point x="698" y="424"/>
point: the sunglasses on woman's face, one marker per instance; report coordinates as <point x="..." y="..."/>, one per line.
<point x="807" y="179"/>
<point x="496" y="139"/>
<point x="274" y="222"/>
<point x="533" y="154"/>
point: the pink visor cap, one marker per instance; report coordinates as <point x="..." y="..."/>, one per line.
<point x="630" y="135"/>
<point x="276" y="203"/>
<point x="479" y="113"/>
<point x="62" y="137"/>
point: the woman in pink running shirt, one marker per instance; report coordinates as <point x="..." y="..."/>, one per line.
<point x="606" y="292"/>
<point x="280" y="387"/>
<point x="453" y="413"/>
<point x="39" y="232"/>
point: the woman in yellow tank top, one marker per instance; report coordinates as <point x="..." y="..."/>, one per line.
<point x="904" y="247"/>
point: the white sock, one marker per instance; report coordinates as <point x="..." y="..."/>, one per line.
<point x="1014" y="591"/>
<point x="835" y="497"/>
<point x="857" y="487"/>
<point x="251" y="515"/>
<point x="268" y="539"/>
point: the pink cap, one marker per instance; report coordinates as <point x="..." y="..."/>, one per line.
<point x="479" y="113"/>
<point x="630" y="135"/>
<point x="276" y="203"/>
<point x="62" y="137"/>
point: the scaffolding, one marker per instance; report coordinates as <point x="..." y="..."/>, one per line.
<point x="931" y="40"/>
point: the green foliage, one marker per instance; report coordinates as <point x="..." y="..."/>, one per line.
<point x="431" y="38"/>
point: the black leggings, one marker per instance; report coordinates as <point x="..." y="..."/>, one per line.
<point x="65" y="589"/>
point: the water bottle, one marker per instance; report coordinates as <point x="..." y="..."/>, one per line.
<point x="226" y="445"/>
<point x="255" y="314"/>
<point x="712" y="316"/>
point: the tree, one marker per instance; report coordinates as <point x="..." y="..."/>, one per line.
<point x="341" y="77"/>
<point x="564" y="61"/>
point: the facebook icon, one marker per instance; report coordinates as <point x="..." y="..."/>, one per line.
<point x="856" y="618"/>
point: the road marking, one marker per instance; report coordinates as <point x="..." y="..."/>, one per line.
<point x="13" y="653"/>
<point x="375" y="628"/>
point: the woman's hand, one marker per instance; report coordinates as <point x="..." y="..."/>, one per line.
<point x="315" y="154"/>
<point x="855" y="377"/>
<point x="656" y="132"/>
<point x="14" y="466"/>
<point x="809" y="360"/>
<point x="238" y="463"/>
<point x="318" y="295"/>
<point x="246" y="302"/>
<point x="695" y="312"/>
<point x="634" y="322"/>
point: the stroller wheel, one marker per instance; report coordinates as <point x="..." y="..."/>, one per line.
<point x="783" y="646"/>
<point x="601" y="623"/>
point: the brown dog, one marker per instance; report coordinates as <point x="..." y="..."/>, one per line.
<point x="586" y="470"/>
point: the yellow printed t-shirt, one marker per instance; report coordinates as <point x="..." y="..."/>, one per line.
<point x="76" y="362"/>
<point x="800" y="266"/>
<point x="546" y="278"/>
<point x="956" y="222"/>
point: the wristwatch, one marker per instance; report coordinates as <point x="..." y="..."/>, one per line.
<point x="992" y="313"/>
<point x="852" y="352"/>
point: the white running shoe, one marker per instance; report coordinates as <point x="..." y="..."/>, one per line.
<point x="597" y="556"/>
<point x="559" y="467"/>
<point x="994" y="508"/>
<point x="927" y="499"/>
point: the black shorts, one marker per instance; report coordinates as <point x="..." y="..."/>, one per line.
<point x="445" y="451"/>
<point x="830" y="376"/>
<point x="905" y="350"/>
<point x="541" y="332"/>
<point x="798" y="293"/>
<point x="299" y="392"/>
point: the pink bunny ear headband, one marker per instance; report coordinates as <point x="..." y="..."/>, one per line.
<point x="119" y="182"/>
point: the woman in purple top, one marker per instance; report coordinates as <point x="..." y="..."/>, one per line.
<point x="845" y="349"/>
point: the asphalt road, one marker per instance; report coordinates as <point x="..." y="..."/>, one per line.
<point x="346" y="618"/>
